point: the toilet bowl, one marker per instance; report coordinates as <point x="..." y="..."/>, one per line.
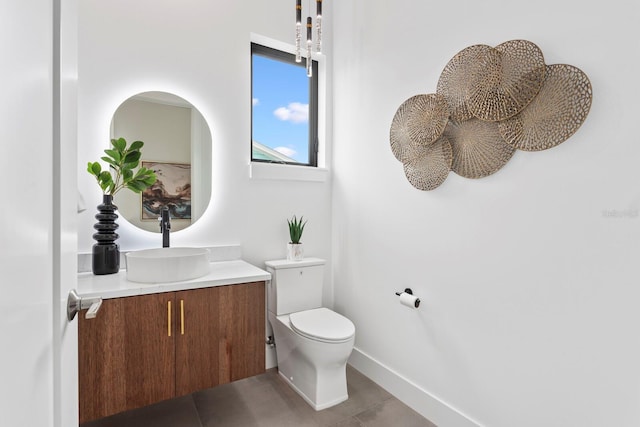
<point x="314" y="366"/>
<point x="312" y="342"/>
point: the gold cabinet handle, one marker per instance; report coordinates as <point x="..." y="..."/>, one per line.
<point x="182" y="317"/>
<point x="169" y="318"/>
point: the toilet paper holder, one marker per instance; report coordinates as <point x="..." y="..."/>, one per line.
<point x="410" y="292"/>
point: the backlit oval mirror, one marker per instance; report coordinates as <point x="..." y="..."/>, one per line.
<point x="177" y="146"/>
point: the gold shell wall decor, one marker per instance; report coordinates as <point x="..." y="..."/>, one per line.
<point x="455" y="81"/>
<point x="554" y="115"/>
<point x="505" y="79"/>
<point x="478" y="148"/>
<point x="418" y="122"/>
<point x="429" y="170"/>
<point x="489" y="102"/>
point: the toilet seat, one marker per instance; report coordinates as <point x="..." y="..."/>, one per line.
<point x="322" y="324"/>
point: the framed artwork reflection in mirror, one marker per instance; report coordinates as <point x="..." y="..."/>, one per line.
<point x="172" y="189"/>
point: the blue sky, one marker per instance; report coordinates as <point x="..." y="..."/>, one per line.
<point x="281" y="107"/>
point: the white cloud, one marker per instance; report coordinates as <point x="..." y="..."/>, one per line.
<point x="294" y="112"/>
<point x="255" y="101"/>
<point x="289" y="152"/>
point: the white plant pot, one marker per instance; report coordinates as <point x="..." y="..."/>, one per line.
<point x="295" y="252"/>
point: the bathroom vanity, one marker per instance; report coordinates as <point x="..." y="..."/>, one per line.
<point x="151" y="342"/>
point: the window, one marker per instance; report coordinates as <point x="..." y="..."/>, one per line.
<point x="284" y="118"/>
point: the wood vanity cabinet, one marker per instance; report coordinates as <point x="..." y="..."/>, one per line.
<point x="143" y="349"/>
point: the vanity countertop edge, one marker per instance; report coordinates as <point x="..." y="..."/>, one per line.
<point x="222" y="273"/>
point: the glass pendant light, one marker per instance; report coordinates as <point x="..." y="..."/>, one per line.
<point x="309" y="42"/>
<point x="318" y="25"/>
<point x="298" y="30"/>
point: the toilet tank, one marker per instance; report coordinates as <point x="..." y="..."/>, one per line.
<point x="295" y="285"/>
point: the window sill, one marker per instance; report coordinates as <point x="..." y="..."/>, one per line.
<point x="275" y="171"/>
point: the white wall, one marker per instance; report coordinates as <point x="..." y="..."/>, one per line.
<point x="199" y="50"/>
<point x="530" y="290"/>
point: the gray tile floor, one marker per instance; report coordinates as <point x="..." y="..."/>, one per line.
<point x="267" y="401"/>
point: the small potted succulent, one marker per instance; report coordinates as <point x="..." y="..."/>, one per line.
<point x="294" y="247"/>
<point x="122" y="161"/>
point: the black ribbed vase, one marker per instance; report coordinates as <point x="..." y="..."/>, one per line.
<point x="106" y="252"/>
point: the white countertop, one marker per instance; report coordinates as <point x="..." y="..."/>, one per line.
<point x="116" y="285"/>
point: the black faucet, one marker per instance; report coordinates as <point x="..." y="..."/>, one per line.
<point x="165" y="226"/>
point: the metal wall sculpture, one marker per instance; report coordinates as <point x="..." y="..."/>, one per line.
<point x="489" y="102"/>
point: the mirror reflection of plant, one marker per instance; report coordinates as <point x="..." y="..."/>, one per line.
<point x="122" y="161"/>
<point x="296" y="227"/>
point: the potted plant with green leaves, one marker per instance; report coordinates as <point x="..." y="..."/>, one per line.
<point x="123" y="173"/>
<point x="294" y="247"/>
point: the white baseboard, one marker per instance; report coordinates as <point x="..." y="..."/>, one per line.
<point x="409" y="393"/>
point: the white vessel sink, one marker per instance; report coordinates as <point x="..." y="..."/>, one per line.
<point x="162" y="265"/>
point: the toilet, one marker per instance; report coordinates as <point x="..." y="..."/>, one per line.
<point x="312" y="342"/>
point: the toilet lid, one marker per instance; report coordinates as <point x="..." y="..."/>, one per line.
<point x="322" y="324"/>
